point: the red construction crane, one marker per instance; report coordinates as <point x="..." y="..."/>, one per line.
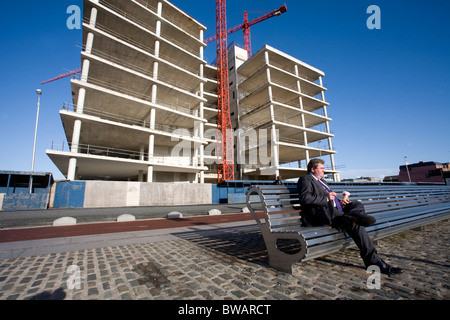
<point x="62" y="76"/>
<point x="225" y="151"/>
<point x="245" y="26"/>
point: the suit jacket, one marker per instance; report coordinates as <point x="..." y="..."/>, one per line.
<point x="316" y="209"/>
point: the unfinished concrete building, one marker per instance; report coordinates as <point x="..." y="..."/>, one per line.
<point x="145" y="106"/>
<point x="140" y="98"/>
<point x="279" y="104"/>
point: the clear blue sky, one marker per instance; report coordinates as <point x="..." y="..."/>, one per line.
<point x="388" y="88"/>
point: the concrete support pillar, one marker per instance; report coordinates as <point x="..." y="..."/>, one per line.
<point x="154" y="93"/>
<point x="269" y="89"/>
<point x="266" y="57"/>
<point x="81" y="99"/>
<point x="157" y="47"/>
<point x="272" y="112"/>
<point x="159" y="10"/>
<point x="71" y="172"/>
<point x="307" y="156"/>
<point x="201" y="46"/>
<point x="85" y="70"/>
<point x="150" y="174"/>
<point x="202" y="70"/>
<point x="93" y="18"/>
<point x="158" y="28"/>
<point x="89" y="42"/>
<point x="142" y="153"/>
<point x="275" y="155"/>
<point x="151" y="145"/>
<point x="155" y="70"/>
<point x="152" y="118"/>
<point x="76" y="136"/>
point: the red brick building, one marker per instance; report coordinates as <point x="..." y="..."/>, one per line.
<point x="431" y="171"/>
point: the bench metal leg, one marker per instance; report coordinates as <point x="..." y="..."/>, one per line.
<point x="278" y="259"/>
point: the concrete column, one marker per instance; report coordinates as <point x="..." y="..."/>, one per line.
<point x="275" y="156"/>
<point x="154" y="93"/>
<point x="268" y="75"/>
<point x="202" y="70"/>
<point x="272" y="112"/>
<point x="151" y="145"/>
<point x="157" y="46"/>
<point x="201" y="46"/>
<point x="81" y="99"/>
<point x="159" y="12"/>
<point x="152" y="118"/>
<point x="333" y="167"/>
<point x="150" y="174"/>
<point x="93" y="19"/>
<point x="202" y="89"/>
<point x="89" y="42"/>
<point x="76" y="136"/>
<point x="85" y="70"/>
<point x="155" y="70"/>
<point x="142" y="153"/>
<point x="71" y="174"/>
<point x="266" y="57"/>
<point x="307" y="156"/>
<point x="158" y="28"/>
<point x="269" y="89"/>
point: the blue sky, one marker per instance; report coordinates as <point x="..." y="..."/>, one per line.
<point x="388" y="88"/>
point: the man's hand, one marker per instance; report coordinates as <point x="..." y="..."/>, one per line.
<point x="345" y="202"/>
<point x="331" y="196"/>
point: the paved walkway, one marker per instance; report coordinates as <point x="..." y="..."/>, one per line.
<point x="214" y="262"/>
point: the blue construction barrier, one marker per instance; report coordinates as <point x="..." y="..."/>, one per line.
<point x="24" y="190"/>
<point x="69" y="194"/>
<point x="235" y="191"/>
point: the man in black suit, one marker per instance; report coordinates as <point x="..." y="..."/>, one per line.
<point x="320" y="206"/>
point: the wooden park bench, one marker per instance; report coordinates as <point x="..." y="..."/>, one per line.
<point x="396" y="208"/>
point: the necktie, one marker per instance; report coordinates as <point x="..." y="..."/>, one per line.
<point x="327" y="188"/>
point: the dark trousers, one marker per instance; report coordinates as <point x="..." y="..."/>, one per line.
<point x="342" y="221"/>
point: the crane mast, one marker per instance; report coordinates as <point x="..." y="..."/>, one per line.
<point x="225" y="151"/>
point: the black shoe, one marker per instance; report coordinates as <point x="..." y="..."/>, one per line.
<point x="387" y="269"/>
<point x="364" y="221"/>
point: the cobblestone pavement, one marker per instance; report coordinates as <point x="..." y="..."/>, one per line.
<point x="228" y="264"/>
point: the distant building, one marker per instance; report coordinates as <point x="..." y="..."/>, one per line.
<point x="431" y="171"/>
<point x="361" y="179"/>
<point x="390" y="179"/>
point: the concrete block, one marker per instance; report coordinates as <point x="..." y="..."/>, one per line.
<point x="125" y="218"/>
<point x="65" y="221"/>
<point x="214" y="212"/>
<point x="174" y="215"/>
